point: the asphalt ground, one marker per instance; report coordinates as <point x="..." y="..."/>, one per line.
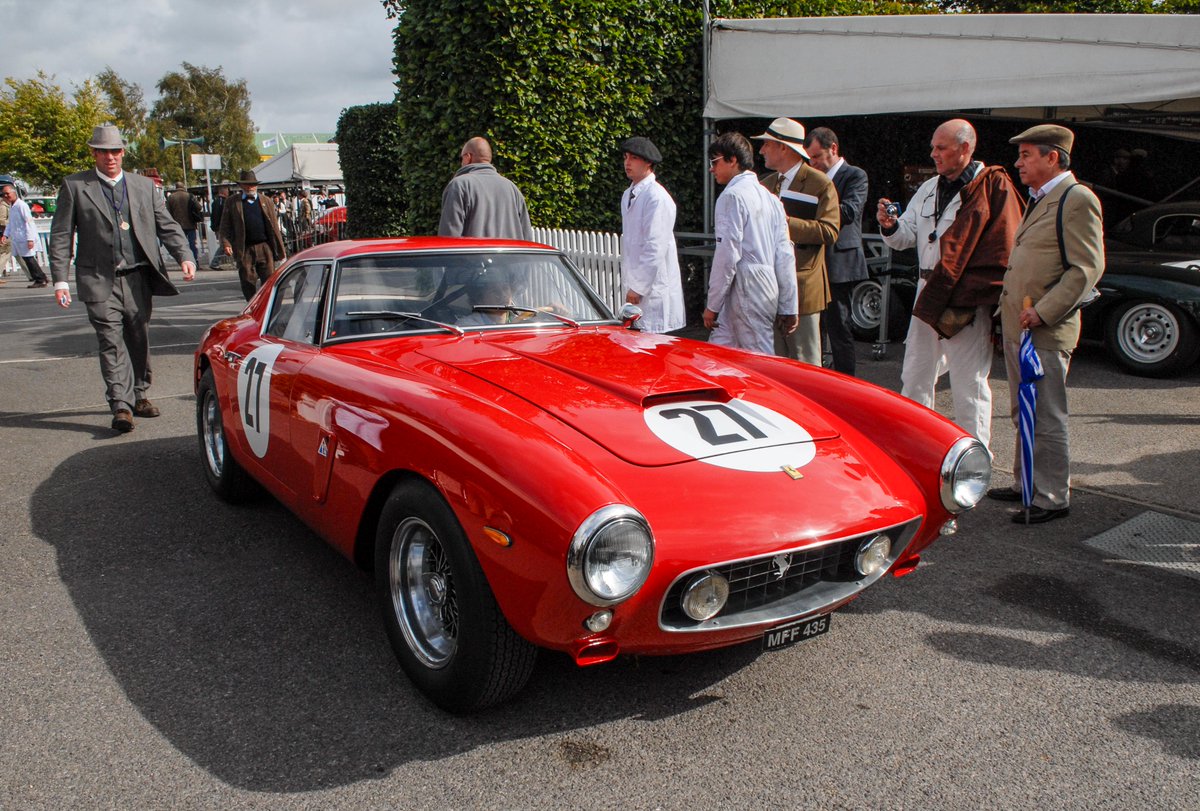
<point x="161" y="649"/>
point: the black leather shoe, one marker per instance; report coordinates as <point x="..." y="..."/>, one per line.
<point x="145" y="408"/>
<point x="1040" y="515"/>
<point x="1003" y="494"/>
<point x="122" y="421"/>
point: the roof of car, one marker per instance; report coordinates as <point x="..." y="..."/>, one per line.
<point x="358" y="247"/>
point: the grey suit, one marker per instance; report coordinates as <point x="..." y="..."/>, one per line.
<point x="118" y="300"/>
<point x="847" y="265"/>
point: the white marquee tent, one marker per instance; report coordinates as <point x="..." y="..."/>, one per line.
<point x="1140" y="68"/>
<point x="302" y="165"/>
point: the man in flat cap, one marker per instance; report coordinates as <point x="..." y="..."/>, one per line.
<point x="962" y="223"/>
<point x="118" y="220"/>
<point x="1057" y="259"/>
<point x="649" y="261"/>
<point x="813" y="218"/>
<point x="250" y="233"/>
<point x="480" y="202"/>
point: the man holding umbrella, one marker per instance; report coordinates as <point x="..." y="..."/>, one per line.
<point x="1057" y="259"/>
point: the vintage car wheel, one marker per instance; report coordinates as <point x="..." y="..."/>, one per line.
<point x="1151" y="339"/>
<point x="224" y="474"/>
<point x="441" y="618"/>
<point x="866" y="309"/>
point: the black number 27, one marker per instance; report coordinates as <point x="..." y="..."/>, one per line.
<point x="255" y="368"/>
<point x="708" y="431"/>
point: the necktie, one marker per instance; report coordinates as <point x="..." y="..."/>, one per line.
<point x="1033" y="201"/>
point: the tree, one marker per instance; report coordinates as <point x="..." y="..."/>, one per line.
<point x="201" y="102"/>
<point x="45" y="133"/>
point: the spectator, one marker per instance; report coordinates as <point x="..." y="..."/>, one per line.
<point x="962" y="261"/>
<point x="649" y="261"/>
<point x="480" y="202"/>
<point x="117" y="221"/>
<point x="185" y="209"/>
<point x="21" y="234"/>
<point x="752" y="285"/>
<point x="844" y="260"/>
<point x="5" y="246"/>
<point x="1057" y="272"/>
<point x="250" y="234"/>
<point x="214" y="222"/>
<point x="811" y="204"/>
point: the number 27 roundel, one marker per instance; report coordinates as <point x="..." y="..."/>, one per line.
<point x="254" y="396"/>
<point x="736" y="435"/>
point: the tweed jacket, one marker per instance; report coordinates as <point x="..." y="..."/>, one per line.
<point x="84" y="213"/>
<point x="1035" y="266"/>
<point x="845" y="258"/>
<point x="233" y="225"/>
<point x="809" y="237"/>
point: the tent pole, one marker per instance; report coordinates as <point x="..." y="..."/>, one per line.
<point x="708" y="127"/>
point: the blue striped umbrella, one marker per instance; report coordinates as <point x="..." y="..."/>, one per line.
<point x="1031" y="373"/>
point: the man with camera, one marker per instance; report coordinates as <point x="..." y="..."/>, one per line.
<point x="962" y="222"/>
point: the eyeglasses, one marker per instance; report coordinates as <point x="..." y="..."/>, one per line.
<point x="713" y="162"/>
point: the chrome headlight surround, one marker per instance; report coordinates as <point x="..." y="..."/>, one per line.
<point x="966" y="474"/>
<point x="610" y="555"/>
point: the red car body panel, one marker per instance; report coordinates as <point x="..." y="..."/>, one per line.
<point x="529" y="431"/>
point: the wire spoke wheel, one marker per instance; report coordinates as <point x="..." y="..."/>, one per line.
<point x="423" y="595"/>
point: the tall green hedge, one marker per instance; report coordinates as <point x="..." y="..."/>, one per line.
<point x="369" y="150"/>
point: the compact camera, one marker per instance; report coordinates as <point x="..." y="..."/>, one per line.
<point x="892" y="209"/>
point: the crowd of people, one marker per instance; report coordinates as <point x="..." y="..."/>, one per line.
<point x="788" y="252"/>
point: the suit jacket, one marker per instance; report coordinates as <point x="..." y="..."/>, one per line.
<point x="233" y="225"/>
<point x="845" y="258"/>
<point x="84" y="213"/>
<point x="1035" y="266"/>
<point x="810" y="237"/>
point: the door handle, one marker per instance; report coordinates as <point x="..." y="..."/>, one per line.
<point x="232" y="358"/>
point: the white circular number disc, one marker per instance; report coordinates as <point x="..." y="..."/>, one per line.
<point x="736" y="435"/>
<point x="254" y="396"/>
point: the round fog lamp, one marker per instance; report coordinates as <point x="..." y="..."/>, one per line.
<point x="872" y="556"/>
<point x="705" y="596"/>
<point x="599" y="621"/>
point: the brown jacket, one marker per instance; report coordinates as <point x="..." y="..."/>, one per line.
<point x="974" y="248"/>
<point x="809" y="237"/>
<point x="1036" y="269"/>
<point x="233" y="226"/>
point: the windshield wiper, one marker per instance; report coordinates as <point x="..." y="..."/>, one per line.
<point x="362" y="314"/>
<point x="528" y="310"/>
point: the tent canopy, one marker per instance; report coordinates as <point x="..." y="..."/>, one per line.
<point x="300" y="164"/>
<point x="1140" y="68"/>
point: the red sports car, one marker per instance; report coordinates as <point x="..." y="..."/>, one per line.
<point x="523" y="470"/>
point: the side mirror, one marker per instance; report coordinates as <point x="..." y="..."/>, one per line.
<point x="630" y="314"/>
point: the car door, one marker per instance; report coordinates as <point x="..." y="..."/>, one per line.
<point x="270" y="365"/>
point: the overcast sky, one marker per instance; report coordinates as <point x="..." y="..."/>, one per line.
<point x="303" y="60"/>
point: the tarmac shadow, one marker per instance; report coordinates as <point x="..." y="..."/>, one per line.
<point x="256" y="649"/>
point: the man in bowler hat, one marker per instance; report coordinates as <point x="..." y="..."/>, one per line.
<point x="118" y="219"/>
<point x="1056" y="269"/>
<point x="250" y="234"/>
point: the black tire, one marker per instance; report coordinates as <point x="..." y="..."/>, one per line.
<point x="866" y="308"/>
<point x="1151" y="339"/>
<point x="226" y="477"/>
<point x="446" y="630"/>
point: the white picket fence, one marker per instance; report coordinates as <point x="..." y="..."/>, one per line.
<point x="596" y="254"/>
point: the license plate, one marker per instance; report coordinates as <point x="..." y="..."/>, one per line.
<point x="785" y="635"/>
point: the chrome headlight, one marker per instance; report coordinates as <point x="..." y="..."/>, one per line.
<point x="610" y="555"/>
<point x="966" y="473"/>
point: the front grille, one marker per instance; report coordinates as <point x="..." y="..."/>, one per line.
<point x="771" y="587"/>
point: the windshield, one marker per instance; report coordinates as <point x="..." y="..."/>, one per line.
<point x="401" y="293"/>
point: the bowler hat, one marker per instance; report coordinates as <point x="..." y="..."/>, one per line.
<point x="247" y="178"/>
<point x="106" y="136"/>
<point x="787" y="132"/>
<point x="1047" y="135"/>
<point x="643" y="148"/>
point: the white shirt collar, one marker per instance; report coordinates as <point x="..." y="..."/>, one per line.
<point x="833" y="170"/>
<point x="111" y="181"/>
<point x="790" y="174"/>
<point x="1038" y="194"/>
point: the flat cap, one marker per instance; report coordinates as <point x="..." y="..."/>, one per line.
<point x="643" y="148"/>
<point x="7" y="180"/>
<point x="1047" y="135"/>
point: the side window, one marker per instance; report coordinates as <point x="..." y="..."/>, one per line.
<point x="1180" y="232"/>
<point x="296" y="311"/>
